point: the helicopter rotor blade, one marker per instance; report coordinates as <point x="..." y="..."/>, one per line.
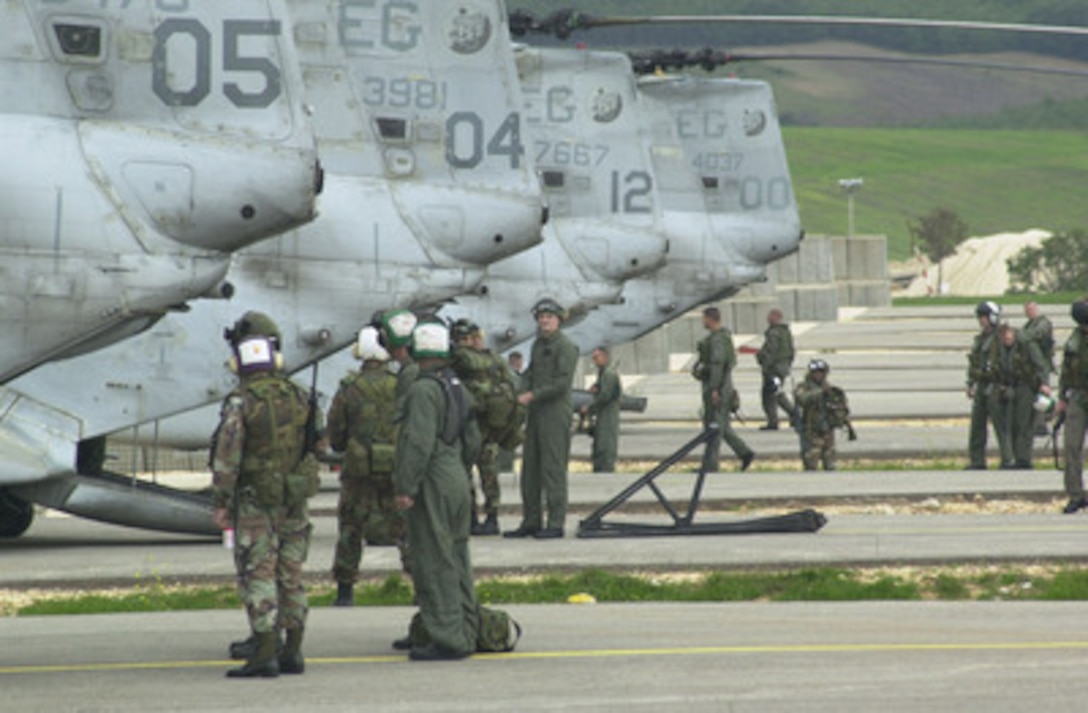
<point x="563" y="23"/>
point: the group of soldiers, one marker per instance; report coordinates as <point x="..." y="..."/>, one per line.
<point x="410" y="436"/>
<point x="1008" y="379"/>
<point x="819" y="408"/>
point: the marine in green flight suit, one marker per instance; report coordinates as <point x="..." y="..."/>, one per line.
<point x="1019" y="373"/>
<point x="1073" y="402"/>
<point x="714" y="368"/>
<point x="263" y="475"/>
<point x="546" y="450"/>
<point x="605" y="410"/>
<point x="361" y="425"/>
<point x="980" y="380"/>
<point x="437" y="438"/>
<point x="775" y="359"/>
<point x="1039" y="329"/>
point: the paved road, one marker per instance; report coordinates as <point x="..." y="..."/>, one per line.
<point x="848" y="658"/>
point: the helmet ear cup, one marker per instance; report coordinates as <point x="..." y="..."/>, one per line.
<point x="277" y="361"/>
<point x="232" y="363"/>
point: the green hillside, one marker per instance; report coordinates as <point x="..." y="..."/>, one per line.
<point x="997" y="180"/>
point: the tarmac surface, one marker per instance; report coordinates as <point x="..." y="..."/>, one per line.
<point x="849" y="658"/>
<point x="65" y="551"/>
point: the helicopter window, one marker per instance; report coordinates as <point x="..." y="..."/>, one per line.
<point x="77" y="40"/>
<point x="392" y="129"/>
<point x="553" y="179"/>
<point x="710" y="182"/>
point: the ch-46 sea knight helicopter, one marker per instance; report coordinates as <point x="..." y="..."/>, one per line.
<point x="142" y="143"/>
<point x="419" y="127"/>
<point x="134" y="409"/>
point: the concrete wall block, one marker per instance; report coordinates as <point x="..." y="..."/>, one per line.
<point x="787" y="270"/>
<point x="867" y="257"/>
<point x="840" y="258"/>
<point x="681" y="335"/>
<point x="651" y="353"/>
<point x="817" y="304"/>
<point x="816" y="265"/>
<point x="872" y="293"/>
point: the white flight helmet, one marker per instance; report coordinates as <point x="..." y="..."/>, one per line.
<point x="367" y="347"/>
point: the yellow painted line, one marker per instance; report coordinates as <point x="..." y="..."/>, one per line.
<point x="585" y="654"/>
<point x="831" y="532"/>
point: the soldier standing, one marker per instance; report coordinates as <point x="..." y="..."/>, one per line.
<point x="264" y="471"/>
<point x="605" y="410"/>
<point x="717" y="358"/>
<point x="516" y="360"/>
<point x="546" y="451"/>
<point x="775" y="359"/>
<point x="1019" y="373"/>
<point x="1073" y="402"/>
<point x="395" y="335"/>
<point x="1039" y="330"/>
<point x="436" y="440"/>
<point x="485" y="374"/>
<point x="979" y="382"/>
<point x="823" y="409"/>
<point x="361" y="426"/>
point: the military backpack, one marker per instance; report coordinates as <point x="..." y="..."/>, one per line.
<point x="497" y="411"/>
<point x="371" y="444"/>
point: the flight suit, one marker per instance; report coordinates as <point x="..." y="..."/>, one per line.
<point x="433" y="473"/>
<point x="980" y="378"/>
<point x="1073" y="383"/>
<point x="546" y="450"/>
<point x="1018" y="371"/>
<point x="361" y="425"/>
<point x="775" y="359"/>
<point x="717" y="358"/>
<point x="606" y="411"/>
<point x="257" y="463"/>
<point x="1041" y="331"/>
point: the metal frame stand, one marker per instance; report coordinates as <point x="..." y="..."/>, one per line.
<point x="684" y="524"/>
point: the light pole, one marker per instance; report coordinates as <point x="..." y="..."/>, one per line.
<point x="851" y="187"/>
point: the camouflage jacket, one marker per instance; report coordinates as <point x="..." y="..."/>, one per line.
<point x="261" y="437"/>
<point x="1022" y="364"/>
<point x="362" y="417"/>
<point x="1041" y="331"/>
<point x="776" y="354"/>
<point x="1073" y="380"/>
<point x="823" y="407"/>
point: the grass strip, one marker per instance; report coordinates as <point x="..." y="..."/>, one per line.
<point x="823" y="584"/>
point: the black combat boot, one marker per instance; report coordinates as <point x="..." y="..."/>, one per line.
<point x="490" y="526"/>
<point x="345" y="596"/>
<point x="242" y="649"/>
<point x="263" y="663"/>
<point x="291" y="660"/>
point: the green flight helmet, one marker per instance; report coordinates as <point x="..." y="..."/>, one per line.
<point x="463" y="329"/>
<point x="395" y="328"/>
<point x="430" y="339"/>
<point x="549" y="306"/>
<point x="254" y="324"/>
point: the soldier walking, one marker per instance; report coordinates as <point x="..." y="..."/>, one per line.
<point x="264" y="470"/>
<point x="605" y="412"/>
<point x="437" y="438"/>
<point x="980" y="379"/>
<point x="546" y="451"/>
<point x="1019" y="373"/>
<point x="1073" y="402"/>
<point x="823" y="409"/>
<point x="775" y="359"/>
<point x="361" y="426"/>
<point x="714" y="368"/>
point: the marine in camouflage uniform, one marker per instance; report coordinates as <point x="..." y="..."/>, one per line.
<point x="479" y="369"/>
<point x="546" y="451"/>
<point x="714" y="368"/>
<point x="775" y="359"/>
<point x="823" y="409"/>
<point x="262" y="477"/>
<point x="361" y="425"/>
<point x="980" y="381"/>
<point x="435" y="441"/>
<point x="1019" y="371"/>
<point x="1073" y="401"/>
<point x="605" y="410"/>
<point x="516" y="362"/>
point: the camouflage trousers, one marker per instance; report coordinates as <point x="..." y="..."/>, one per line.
<point x="366" y="512"/>
<point x="271" y="545"/>
<point x="819" y="449"/>
<point x="488" y="466"/>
